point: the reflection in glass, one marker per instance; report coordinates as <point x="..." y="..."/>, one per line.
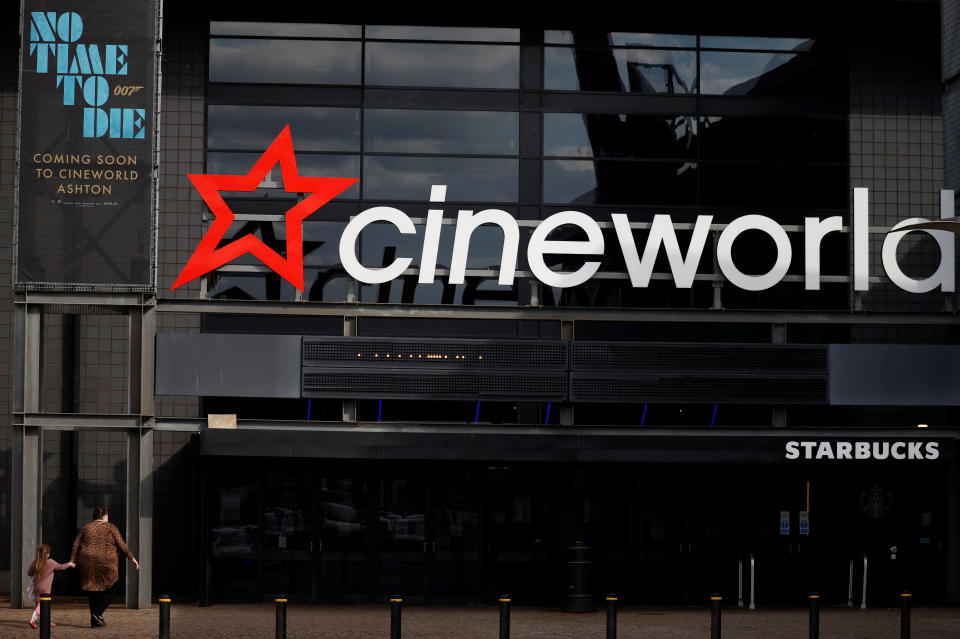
<point x="745" y="42"/>
<point x="249" y="286"/>
<point x="619" y="182"/>
<point x="325" y="285"/>
<point x="442" y="65"/>
<point x="612" y="134"/>
<point x="272" y="186"/>
<point x="621" y="38"/>
<point x="477" y="291"/>
<point x="255" y="127"/>
<point x="725" y="73"/>
<point x="381" y="243"/>
<point x="758" y="138"/>
<point x="774" y="185"/>
<point x="467" y="179"/>
<point x="401" y="534"/>
<point x="285" y="29"/>
<point x="418" y="131"/>
<point x="342" y="521"/>
<point x="621" y="70"/>
<point x="320" y="240"/>
<point x="284" y="61"/>
<point x="466" y="34"/>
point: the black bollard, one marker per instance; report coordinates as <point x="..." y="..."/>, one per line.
<point x="164" y="601"/>
<point x="505" y="616"/>
<point x="45" y="616"/>
<point x="281" y="617"/>
<point x="814" y="615"/>
<point x="611" y="616"/>
<point x="715" y="600"/>
<point x="905" y="614"/>
<point x="395" y="602"/>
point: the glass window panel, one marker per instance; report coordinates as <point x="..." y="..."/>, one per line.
<point x="622" y="70"/>
<point x="773" y="185"/>
<point x="285" y="29"/>
<point x="467" y="179"/>
<point x="619" y="182"/>
<point x="744" y="42"/>
<point x="724" y="73"/>
<point x="613" y="134"/>
<point x="255" y="127"/>
<point x="321" y="240"/>
<point x="442" y="65"/>
<point x="746" y="138"/>
<point x="601" y="293"/>
<point x="250" y="286"/>
<point x="325" y="285"/>
<point x="380" y="243"/>
<point x="270" y="233"/>
<point x="272" y="185"/>
<point x="284" y="61"/>
<point x="477" y="291"/>
<point x="621" y="38"/>
<point x="442" y="33"/>
<point x="414" y="131"/>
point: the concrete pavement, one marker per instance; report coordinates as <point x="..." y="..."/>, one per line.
<point x="256" y="621"/>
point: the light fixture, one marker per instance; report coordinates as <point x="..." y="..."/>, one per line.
<point x="921" y="425"/>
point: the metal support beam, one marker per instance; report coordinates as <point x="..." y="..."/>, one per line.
<point x="27" y="450"/>
<point x="565" y="409"/>
<point x="140" y="515"/>
<point x="953" y="535"/>
<point x="25" y="509"/>
<point x="142" y="340"/>
<point x="350" y="329"/>
<point x="317" y="309"/>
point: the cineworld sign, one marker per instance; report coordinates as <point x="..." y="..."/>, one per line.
<point x="639" y="265"/>
<point x="662" y="235"/>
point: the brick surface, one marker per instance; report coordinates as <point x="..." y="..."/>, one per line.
<point x="481" y="622"/>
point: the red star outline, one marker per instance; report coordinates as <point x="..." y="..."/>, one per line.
<point x="207" y="256"/>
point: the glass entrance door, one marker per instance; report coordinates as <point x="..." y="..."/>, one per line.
<point x="402" y="546"/>
<point x="428" y="539"/>
<point x="288" y="546"/>
<point x="341" y="527"/>
<point x="455" y="544"/>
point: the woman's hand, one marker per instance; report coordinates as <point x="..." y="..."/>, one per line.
<point x="70" y="564"/>
<point x="136" y="564"/>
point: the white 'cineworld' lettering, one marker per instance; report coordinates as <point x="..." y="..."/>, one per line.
<point x="662" y="234"/>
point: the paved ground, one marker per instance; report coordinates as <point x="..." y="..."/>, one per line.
<point x="480" y="622"/>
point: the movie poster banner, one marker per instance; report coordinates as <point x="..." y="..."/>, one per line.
<point x="85" y="213"/>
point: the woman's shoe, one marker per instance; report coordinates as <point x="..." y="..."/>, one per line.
<point x="98" y="620"/>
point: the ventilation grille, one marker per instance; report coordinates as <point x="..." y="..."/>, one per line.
<point x="604" y="356"/>
<point x="733" y="389"/>
<point x="435" y="354"/>
<point x="434" y="385"/>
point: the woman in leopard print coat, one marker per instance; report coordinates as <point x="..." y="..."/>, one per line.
<point x="95" y="553"/>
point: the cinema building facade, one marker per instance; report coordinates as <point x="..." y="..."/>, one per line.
<point x="630" y="285"/>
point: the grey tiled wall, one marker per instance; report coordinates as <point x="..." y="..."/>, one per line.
<point x="950" y="72"/>
<point x="9" y="68"/>
<point x="896" y="150"/>
<point x="181" y="151"/>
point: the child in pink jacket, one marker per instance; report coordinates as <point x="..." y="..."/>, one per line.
<point x="42" y="569"/>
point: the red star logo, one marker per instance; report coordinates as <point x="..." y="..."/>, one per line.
<point x="208" y="257"/>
